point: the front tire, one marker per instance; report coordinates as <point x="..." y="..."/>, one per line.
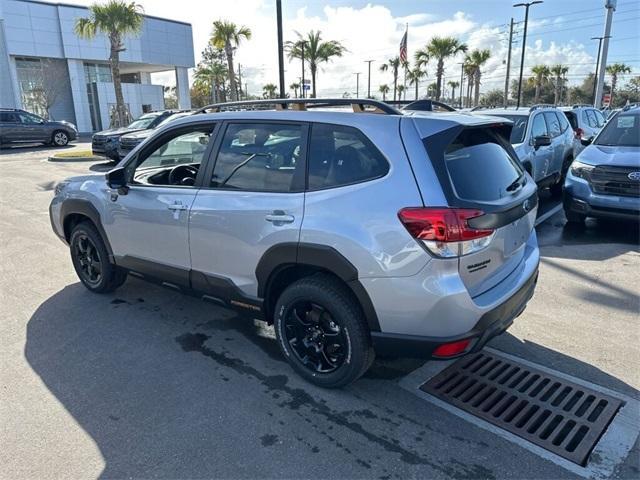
<point x="322" y="332"/>
<point x="91" y="260"/>
<point x="60" y="138"/>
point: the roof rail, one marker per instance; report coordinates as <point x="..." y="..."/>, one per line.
<point x="578" y="105"/>
<point x="541" y="105"/>
<point x="357" y="104"/>
<point x="630" y="106"/>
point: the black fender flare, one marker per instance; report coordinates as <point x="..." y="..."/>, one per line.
<point x="77" y="206"/>
<point x="322" y="257"/>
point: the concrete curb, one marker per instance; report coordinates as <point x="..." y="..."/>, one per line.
<point x="74" y="159"/>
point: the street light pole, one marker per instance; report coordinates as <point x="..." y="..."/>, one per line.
<point x="357" y="74"/>
<point x="595" y="75"/>
<point x="461" y="82"/>
<point x="369" y="78"/>
<point x="302" y="56"/>
<point x="280" y="47"/>
<point x="610" y="5"/>
<point x="524" y="43"/>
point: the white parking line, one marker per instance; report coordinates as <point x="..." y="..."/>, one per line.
<point x="610" y="451"/>
<point x="549" y="214"/>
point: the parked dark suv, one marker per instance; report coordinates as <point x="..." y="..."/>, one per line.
<point x="105" y="143"/>
<point x="19" y="126"/>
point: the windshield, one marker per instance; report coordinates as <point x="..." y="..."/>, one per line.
<point x="173" y="117"/>
<point x="519" y="127"/>
<point x="143" y="122"/>
<point x="623" y="130"/>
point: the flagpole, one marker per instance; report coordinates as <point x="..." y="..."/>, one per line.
<point x="404" y="91"/>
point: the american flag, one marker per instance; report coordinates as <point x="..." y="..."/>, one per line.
<point x="403" y="48"/>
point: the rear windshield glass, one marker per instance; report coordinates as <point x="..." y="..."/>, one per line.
<point x="519" y="127"/>
<point x="623" y="130"/>
<point x="480" y="167"/>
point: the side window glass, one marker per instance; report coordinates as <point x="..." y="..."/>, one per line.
<point x="592" y="119"/>
<point x="7" y="117"/>
<point x="342" y="155"/>
<point x="258" y="157"/>
<point x="553" y="125"/>
<point x="30" y="119"/>
<point x="176" y="161"/>
<point x="564" y="124"/>
<point x="538" y="127"/>
<point x="599" y="118"/>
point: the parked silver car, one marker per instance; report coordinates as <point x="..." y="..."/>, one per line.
<point x="586" y="121"/>
<point x="18" y="126"/>
<point x="352" y="232"/>
<point x="543" y="141"/>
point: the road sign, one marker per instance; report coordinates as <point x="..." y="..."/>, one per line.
<point x="606" y="99"/>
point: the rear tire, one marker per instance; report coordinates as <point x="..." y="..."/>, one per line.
<point x="322" y="332"/>
<point x="91" y="260"/>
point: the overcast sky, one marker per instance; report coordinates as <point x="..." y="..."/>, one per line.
<point x="559" y="32"/>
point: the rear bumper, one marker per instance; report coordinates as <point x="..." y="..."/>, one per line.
<point x="492" y="323"/>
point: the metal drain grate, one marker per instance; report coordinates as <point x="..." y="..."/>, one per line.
<point x="560" y="416"/>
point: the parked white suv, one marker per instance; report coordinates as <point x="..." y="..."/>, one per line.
<point x="351" y="231"/>
<point x="586" y="122"/>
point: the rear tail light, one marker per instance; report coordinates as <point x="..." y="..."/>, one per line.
<point x="579" y="133"/>
<point x="451" y="349"/>
<point x="445" y="232"/>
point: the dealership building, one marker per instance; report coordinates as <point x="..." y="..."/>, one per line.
<point x="44" y="65"/>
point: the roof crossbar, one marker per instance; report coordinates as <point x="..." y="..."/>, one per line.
<point x="359" y="105"/>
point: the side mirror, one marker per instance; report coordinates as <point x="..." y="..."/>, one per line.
<point x="586" y="141"/>
<point x="541" y="141"/>
<point x="116" y="179"/>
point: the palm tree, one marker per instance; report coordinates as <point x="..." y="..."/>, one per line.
<point x="115" y="19"/>
<point x="541" y="76"/>
<point x="559" y="71"/>
<point x="394" y="65"/>
<point x="440" y="48"/>
<point x="228" y="35"/>
<point x="469" y="71"/>
<point x="269" y="90"/>
<point x="454" y="85"/>
<point x="615" y="70"/>
<point x="431" y="89"/>
<point x="401" y="89"/>
<point x="294" y="86"/>
<point x="384" y="89"/>
<point x="477" y="58"/>
<point x="212" y="77"/>
<point x="316" y="52"/>
<point x="414" y="76"/>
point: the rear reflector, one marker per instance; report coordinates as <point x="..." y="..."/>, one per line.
<point x="451" y="349"/>
<point x="446" y="231"/>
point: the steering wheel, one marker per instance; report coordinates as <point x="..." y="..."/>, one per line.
<point x="183" y="175"/>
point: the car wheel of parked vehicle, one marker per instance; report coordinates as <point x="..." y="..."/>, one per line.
<point x="91" y="260"/>
<point x="322" y="332"/>
<point x="60" y="138"/>
<point x="574" y="217"/>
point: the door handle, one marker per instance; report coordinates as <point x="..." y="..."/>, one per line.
<point x="177" y="206"/>
<point x="279" y="217"/>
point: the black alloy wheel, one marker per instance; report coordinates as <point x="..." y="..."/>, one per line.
<point x="88" y="258"/>
<point x="318" y="342"/>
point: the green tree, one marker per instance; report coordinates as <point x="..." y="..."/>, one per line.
<point x="401" y="89"/>
<point x="469" y="70"/>
<point x="269" y="90"/>
<point x="440" y="49"/>
<point x="477" y="58"/>
<point x="559" y="72"/>
<point x="316" y="52"/>
<point x="453" y="84"/>
<point x="392" y="64"/>
<point x="384" y="89"/>
<point x="228" y="36"/>
<point x="115" y="19"/>
<point x="615" y="70"/>
<point x="492" y="98"/>
<point x="540" y="77"/>
<point x="415" y="75"/>
<point x="294" y="86"/>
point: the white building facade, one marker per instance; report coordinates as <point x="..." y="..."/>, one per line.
<point x="47" y="69"/>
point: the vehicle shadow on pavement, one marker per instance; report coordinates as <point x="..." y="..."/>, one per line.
<point x="170" y="386"/>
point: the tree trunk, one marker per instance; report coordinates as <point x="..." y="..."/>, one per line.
<point x="114" y="61"/>
<point x="439" y="73"/>
<point x="416" y="89"/>
<point x="476" y="98"/>
<point x="469" y="87"/>
<point x="395" y="83"/>
<point x="232" y="77"/>
<point x="537" y="94"/>
<point x="453" y="95"/>
<point x="614" y="80"/>
<point x="314" y="70"/>
<point x="556" y="96"/>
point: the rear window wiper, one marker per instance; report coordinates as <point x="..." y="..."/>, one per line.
<point x="517" y="183"/>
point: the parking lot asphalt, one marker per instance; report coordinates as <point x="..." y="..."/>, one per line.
<point x="146" y="382"/>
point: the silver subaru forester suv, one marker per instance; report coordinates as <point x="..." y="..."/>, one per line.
<point x="353" y="232"/>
